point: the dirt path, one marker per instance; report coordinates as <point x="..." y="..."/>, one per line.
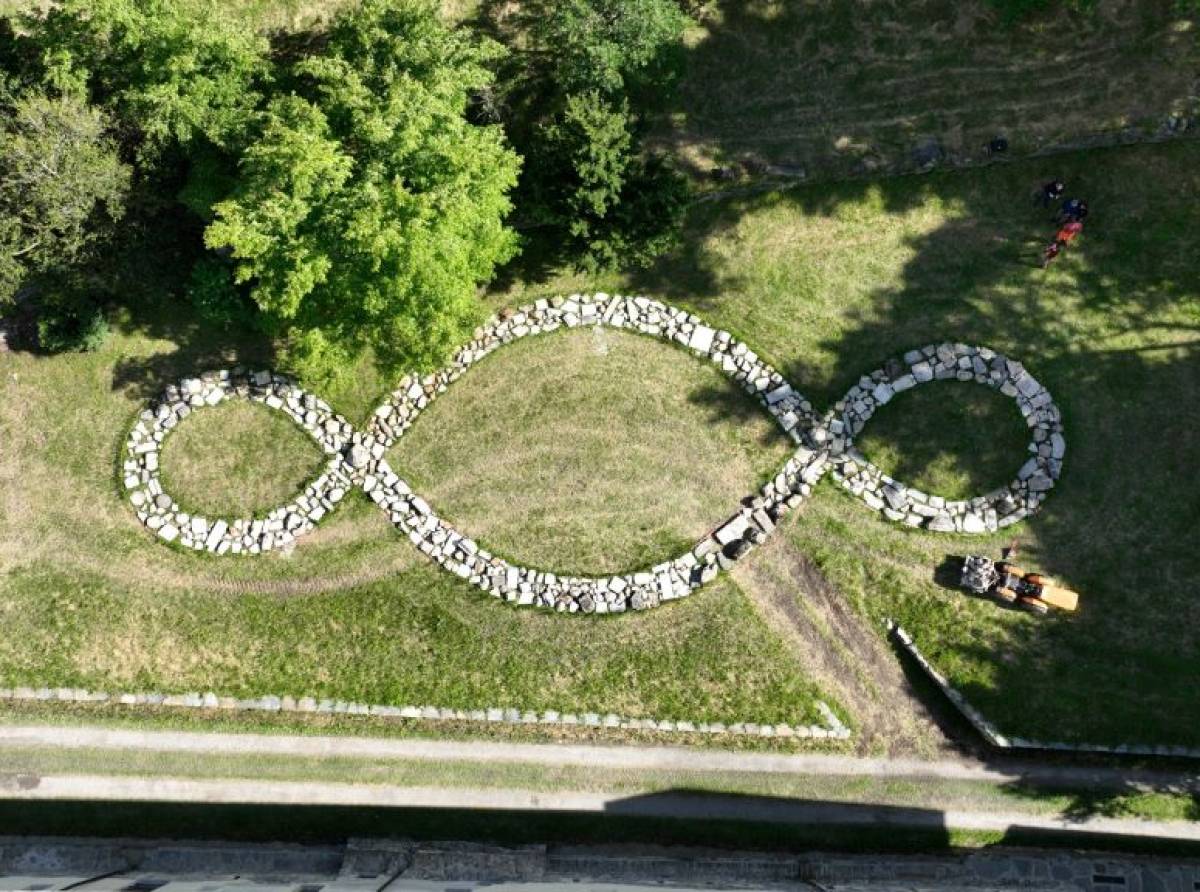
<point x="841" y="652"/>
<point x="661" y="805"/>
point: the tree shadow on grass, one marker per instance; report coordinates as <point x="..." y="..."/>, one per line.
<point x="1112" y="330"/>
<point x="841" y="88"/>
<point x="726" y="403"/>
<point x="1106" y="335"/>
<point x="198" y="346"/>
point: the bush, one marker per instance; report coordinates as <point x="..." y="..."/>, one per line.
<point x="70" y="321"/>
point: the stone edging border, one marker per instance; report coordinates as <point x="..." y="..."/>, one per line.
<point x="833" y="729"/>
<point x="357" y="459"/>
<point x="993" y="736"/>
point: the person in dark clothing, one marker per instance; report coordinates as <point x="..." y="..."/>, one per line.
<point x="1073" y="209"/>
<point x="1051" y="192"/>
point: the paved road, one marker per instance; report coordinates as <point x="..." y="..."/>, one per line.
<point x="668" y="805"/>
<point x="628" y="757"/>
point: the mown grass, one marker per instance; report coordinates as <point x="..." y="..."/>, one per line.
<point x="826" y="282"/>
<point x="88" y="598"/>
<point x="238" y="459"/>
<point x="590" y="451"/>
<point x="839" y="87"/>
<point x="906" y="439"/>
<point x="914" y="793"/>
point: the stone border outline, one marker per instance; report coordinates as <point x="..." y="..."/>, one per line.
<point x="823" y="443"/>
<point x="992" y="734"/>
<point x="833" y="729"/>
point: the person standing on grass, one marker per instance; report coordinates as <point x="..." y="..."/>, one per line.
<point x="1051" y="192"/>
<point x="1073" y="209"/>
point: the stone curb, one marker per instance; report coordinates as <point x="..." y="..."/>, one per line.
<point x="993" y="736"/>
<point x="834" y="729"/>
<point x="824" y="443"/>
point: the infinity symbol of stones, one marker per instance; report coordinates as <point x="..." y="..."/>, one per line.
<point x="823" y="443"/>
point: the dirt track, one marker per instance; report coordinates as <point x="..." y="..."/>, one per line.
<point x="842" y="653"/>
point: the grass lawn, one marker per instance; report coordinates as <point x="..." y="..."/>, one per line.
<point x="238" y="459"/>
<point x="585" y="447"/>
<point x="925" y="793"/>
<point x="88" y="599"/>
<point x="826" y="282"/>
<point x="837" y="87"/>
<point x="591" y="451"/>
<point x="597" y="453"/>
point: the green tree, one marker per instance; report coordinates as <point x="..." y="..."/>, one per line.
<point x="606" y="64"/>
<point x="368" y="209"/>
<point x="588" y="150"/>
<point x="169" y="71"/>
<point x="615" y="206"/>
<point x="612" y="46"/>
<point x="62" y="185"/>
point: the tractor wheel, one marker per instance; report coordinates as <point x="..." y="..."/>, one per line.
<point x="1033" y="605"/>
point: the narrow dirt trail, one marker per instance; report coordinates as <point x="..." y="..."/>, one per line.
<point x="841" y="652"/>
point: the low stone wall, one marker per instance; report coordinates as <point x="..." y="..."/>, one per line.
<point x="833" y="729"/>
<point x="823" y="443"/>
<point x="992" y="735"/>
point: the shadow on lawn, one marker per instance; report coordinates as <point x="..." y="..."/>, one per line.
<point x="1099" y="332"/>
<point x="1108" y="330"/>
<point x="841" y="88"/>
<point x="199" y="346"/>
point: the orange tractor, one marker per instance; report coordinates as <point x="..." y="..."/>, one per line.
<point x="1009" y="584"/>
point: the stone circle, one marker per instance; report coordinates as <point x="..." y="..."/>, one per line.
<point x="822" y="443"/>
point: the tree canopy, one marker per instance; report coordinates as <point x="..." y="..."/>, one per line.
<point x="367" y="209"/>
<point x="606" y="65"/>
<point x="169" y="71"/>
<point x="612" y="46"/>
<point x="61" y="184"/>
<point x="336" y="188"/>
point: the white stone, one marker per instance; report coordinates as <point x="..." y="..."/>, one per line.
<point x="734" y="529"/>
<point x="215" y="535"/>
<point x="702" y="339"/>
